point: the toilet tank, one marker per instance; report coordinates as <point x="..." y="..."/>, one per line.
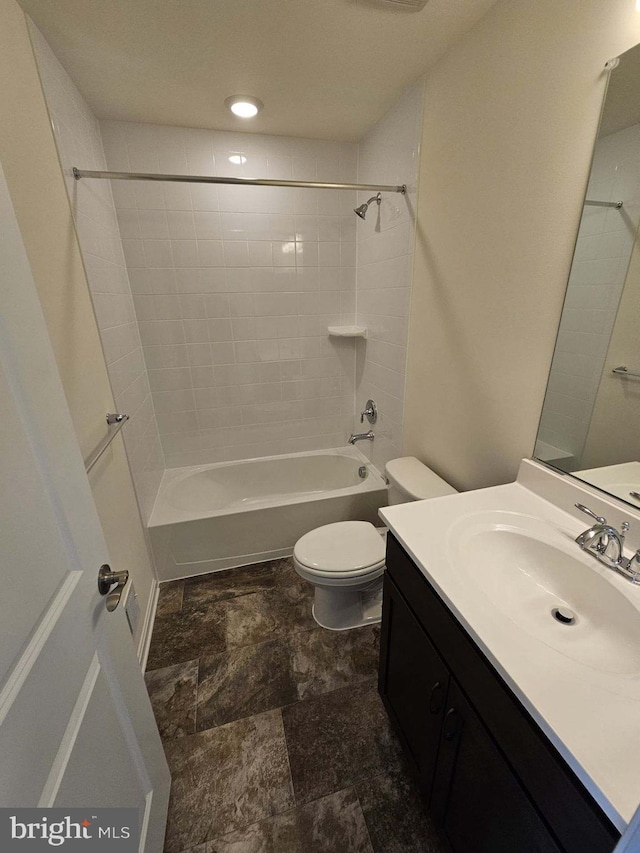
<point x="410" y="480"/>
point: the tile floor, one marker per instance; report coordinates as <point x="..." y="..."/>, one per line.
<point x="273" y="728"/>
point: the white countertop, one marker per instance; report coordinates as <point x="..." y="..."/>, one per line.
<point x="591" y="716"/>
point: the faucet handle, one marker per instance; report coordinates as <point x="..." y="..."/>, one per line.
<point x="370" y="413"/>
<point x="599" y="518"/>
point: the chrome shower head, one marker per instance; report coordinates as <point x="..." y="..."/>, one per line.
<point x="361" y="211"/>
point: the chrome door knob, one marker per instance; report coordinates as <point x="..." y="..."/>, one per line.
<point x="106" y="581"/>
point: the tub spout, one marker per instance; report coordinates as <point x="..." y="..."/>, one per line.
<point x="361" y="436"/>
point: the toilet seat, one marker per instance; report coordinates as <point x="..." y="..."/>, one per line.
<point x="346" y="549"/>
<point x="345" y="562"/>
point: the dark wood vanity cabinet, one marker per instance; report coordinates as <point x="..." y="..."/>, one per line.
<point x="488" y="774"/>
<point x="477" y="800"/>
<point x="416" y="683"/>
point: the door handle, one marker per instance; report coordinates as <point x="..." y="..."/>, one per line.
<point x="436" y="702"/>
<point x="451" y="727"/>
<point x="106" y="580"/>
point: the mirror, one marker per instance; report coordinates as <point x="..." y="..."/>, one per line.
<point x="590" y="423"/>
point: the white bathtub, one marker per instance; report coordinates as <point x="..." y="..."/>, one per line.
<point x="212" y="517"/>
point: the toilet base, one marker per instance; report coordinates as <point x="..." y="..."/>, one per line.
<point x="340" y="609"/>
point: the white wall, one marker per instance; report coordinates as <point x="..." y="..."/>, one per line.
<point x="604" y="246"/>
<point x="388" y="154"/>
<point x="79" y="144"/>
<point x="510" y="118"/>
<point x="31" y="165"/>
<point x="234" y="288"/>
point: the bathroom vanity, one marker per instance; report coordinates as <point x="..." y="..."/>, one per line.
<point x="521" y="737"/>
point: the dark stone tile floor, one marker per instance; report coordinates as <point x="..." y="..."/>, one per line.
<point x="273" y="728"/>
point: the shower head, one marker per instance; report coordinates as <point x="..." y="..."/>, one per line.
<point x="361" y="211"/>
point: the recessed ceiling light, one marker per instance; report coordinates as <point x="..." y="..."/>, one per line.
<point x="237" y="159"/>
<point x="244" y="106"/>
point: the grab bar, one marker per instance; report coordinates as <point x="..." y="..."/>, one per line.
<point x="115" y="422"/>
<point x="624" y="371"/>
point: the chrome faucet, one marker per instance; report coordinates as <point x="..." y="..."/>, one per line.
<point x="361" y="436"/>
<point x="603" y="542"/>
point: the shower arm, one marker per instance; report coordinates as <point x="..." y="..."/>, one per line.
<point x="252" y="182"/>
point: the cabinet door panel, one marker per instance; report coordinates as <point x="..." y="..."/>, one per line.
<point x="413" y="685"/>
<point x="477" y="799"/>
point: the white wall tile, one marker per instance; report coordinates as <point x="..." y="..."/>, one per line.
<point x="210" y="253"/>
<point x="229" y="344"/>
<point x="235" y="286"/>
<point x="181" y="225"/>
<point x="157" y="254"/>
<point x="385" y="244"/>
<point x="184" y="253"/>
<point x="207" y="224"/>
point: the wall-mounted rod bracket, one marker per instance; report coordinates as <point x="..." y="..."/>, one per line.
<point x="624" y="371"/>
<point x="115" y="422"/>
<point x="594" y="203"/>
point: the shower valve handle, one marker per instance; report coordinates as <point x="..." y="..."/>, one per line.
<point x="370" y="413"/>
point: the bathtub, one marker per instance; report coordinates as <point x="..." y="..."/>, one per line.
<point x="212" y="517"/>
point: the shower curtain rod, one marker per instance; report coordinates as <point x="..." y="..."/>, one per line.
<point x="251" y="182"/>
<point x="595" y="203"/>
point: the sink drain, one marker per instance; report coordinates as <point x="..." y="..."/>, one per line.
<point x="563" y="615"/>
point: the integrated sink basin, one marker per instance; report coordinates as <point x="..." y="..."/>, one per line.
<point x="531" y="576"/>
<point x="503" y="560"/>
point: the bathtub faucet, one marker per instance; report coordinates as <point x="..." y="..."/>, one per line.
<point x="361" y="436"/>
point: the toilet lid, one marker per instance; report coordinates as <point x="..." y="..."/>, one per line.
<point x="342" y="547"/>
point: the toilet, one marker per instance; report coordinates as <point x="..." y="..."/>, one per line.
<point x="345" y="561"/>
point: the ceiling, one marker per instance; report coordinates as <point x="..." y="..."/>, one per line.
<point x="325" y="69"/>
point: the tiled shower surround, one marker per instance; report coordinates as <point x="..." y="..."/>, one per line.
<point x="234" y="288"/>
<point x="390" y="154"/>
<point x="213" y="305"/>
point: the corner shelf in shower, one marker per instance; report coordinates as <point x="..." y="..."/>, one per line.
<point x="347" y="331"/>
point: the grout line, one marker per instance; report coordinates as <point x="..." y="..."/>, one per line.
<point x="364" y="817"/>
<point x="195" y="701"/>
<point x="306" y="699"/>
<point x="286" y="750"/>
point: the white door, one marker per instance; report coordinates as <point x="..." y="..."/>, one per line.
<point x="76" y="725"/>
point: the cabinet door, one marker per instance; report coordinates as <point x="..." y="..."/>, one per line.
<point x="477" y="799"/>
<point x="413" y="684"/>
